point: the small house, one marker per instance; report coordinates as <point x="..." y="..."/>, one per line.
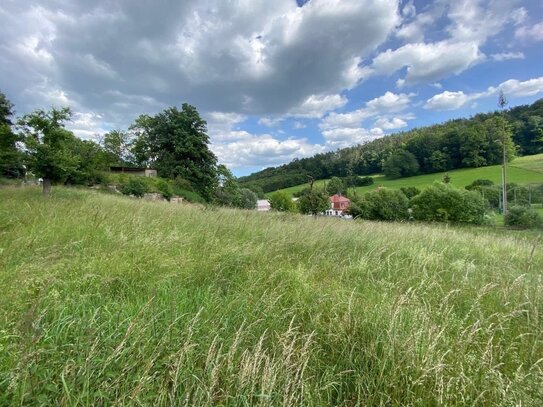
<point x="338" y="205"/>
<point x="263" y="205"/>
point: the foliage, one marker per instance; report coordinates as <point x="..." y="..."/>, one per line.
<point x="479" y="183"/>
<point x="443" y="203"/>
<point x="446" y="178"/>
<point x="48" y="145"/>
<point x="135" y="186"/>
<point x="364" y="181"/>
<point x="401" y="163"/>
<point x="313" y="202"/>
<point x="165" y="188"/>
<point x="335" y="186"/>
<point x="410" y="192"/>
<point x="11" y="159"/>
<point x="175" y="142"/>
<point x="381" y="204"/>
<point x="523" y="218"/>
<point x="117" y="147"/>
<point x="282" y="202"/>
<point x="246" y="199"/>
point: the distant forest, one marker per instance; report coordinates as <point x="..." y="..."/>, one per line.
<point x="459" y="143"/>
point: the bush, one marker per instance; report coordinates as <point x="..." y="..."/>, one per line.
<point x="189" y="196"/>
<point x="281" y="201"/>
<point x="381" y="204"/>
<point x="443" y="203"/>
<point x="135" y="187"/>
<point x="246" y="199"/>
<point x="479" y="183"/>
<point x="165" y="189"/>
<point x="410" y="192"/>
<point x="364" y="181"/>
<point x="524" y="218"/>
<point x="335" y="186"/>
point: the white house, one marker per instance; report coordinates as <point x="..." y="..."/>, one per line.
<point x="263" y="205"/>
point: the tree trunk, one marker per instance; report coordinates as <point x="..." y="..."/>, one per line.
<point x="46" y="187"/>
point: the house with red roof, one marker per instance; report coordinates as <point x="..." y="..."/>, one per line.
<point x="338" y="205"/>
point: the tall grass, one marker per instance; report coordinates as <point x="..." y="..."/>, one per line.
<point x="106" y="300"/>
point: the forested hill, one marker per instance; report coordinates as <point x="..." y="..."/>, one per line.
<point x="454" y="144"/>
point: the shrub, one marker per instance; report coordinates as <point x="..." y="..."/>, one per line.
<point x="281" y="201"/>
<point x="183" y="184"/>
<point x="524" y="218"/>
<point x="410" y="192"/>
<point x="443" y="203"/>
<point x="165" y="189"/>
<point x="190" y="196"/>
<point x="364" y="181"/>
<point x="479" y="183"/>
<point x="381" y="204"/>
<point x="135" y="186"/>
<point x="313" y="202"/>
<point x="246" y="199"/>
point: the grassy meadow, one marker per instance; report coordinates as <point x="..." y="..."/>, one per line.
<point x="523" y="170"/>
<point x="107" y="300"/>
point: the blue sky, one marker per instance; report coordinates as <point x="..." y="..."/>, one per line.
<point x="275" y="80"/>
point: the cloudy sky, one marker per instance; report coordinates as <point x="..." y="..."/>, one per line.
<point x="274" y="79"/>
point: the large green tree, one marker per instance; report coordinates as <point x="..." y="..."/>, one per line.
<point x="401" y="163"/>
<point x="11" y="159"/>
<point x="176" y="143"/>
<point x="49" y="145"/>
<point x="117" y="147"/>
<point x="313" y="202"/>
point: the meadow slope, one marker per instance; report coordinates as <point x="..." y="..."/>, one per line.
<point x="523" y="170"/>
<point x="106" y="300"/>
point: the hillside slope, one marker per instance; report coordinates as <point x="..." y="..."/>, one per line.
<point x="106" y="300"/>
<point x="522" y="171"/>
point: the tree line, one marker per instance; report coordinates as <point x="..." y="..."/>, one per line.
<point x="174" y="142"/>
<point x="460" y="143"/>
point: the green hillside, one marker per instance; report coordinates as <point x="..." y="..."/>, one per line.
<point x="106" y="300"/>
<point x="523" y="170"/>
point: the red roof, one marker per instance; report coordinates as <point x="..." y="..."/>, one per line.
<point x="339" y="198"/>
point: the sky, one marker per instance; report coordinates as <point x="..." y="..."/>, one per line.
<point x="275" y="80"/>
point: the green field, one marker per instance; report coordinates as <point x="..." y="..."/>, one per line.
<point x="523" y="170"/>
<point x="106" y="300"/>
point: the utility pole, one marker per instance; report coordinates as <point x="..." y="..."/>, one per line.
<point x="502" y="102"/>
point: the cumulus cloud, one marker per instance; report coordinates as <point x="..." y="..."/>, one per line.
<point x="346" y="129"/>
<point x="447" y="101"/>
<point x="238" y="148"/>
<point x="512" y="88"/>
<point x="383" y="105"/>
<point x="471" y="23"/>
<point x="255" y="57"/>
<point x="533" y="33"/>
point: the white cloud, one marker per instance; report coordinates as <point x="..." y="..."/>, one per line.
<point x="315" y="106"/>
<point x="512" y="88"/>
<point x="471" y="23"/>
<point x="428" y="62"/>
<point x="504" y="56"/>
<point x="263" y="151"/>
<point x="447" y="101"/>
<point x="533" y="33"/>
<point x="390" y="124"/>
<point x="298" y="125"/>
<point x="385" y="104"/>
<point x="345" y="137"/>
<point x="238" y="148"/>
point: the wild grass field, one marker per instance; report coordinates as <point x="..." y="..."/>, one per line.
<point x="523" y="170"/>
<point x="106" y="300"/>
